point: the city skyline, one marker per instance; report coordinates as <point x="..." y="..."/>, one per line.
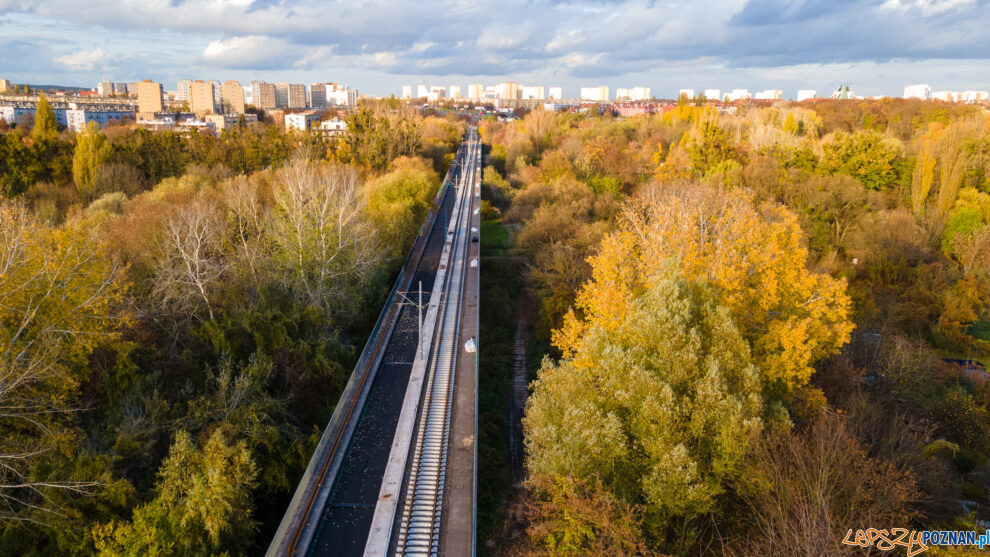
<point x="877" y="47"/>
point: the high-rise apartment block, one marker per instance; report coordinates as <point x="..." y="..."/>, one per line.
<point x="422" y="91"/>
<point x="476" y="91"/>
<point x="535" y="92"/>
<point x="202" y="97"/>
<point x="923" y="92"/>
<point x="454" y="91"/>
<point x="637" y="94"/>
<point x="407" y="91"/>
<point x="508" y="90"/>
<point x="232" y="97"/>
<point x="595" y="93"/>
<point x="263" y="95"/>
<point x="182" y="90"/>
<point x="318" y="95"/>
<point x="713" y="94"/>
<point x="5" y="87"/>
<point x="805" y="94"/>
<point x="689" y="93"/>
<point x="556" y="93"/>
<point x="150" y="99"/>
<point x="290" y="95"/>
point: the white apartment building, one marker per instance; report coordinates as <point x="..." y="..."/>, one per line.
<point x="713" y="94"/>
<point x="301" y="121"/>
<point x="182" y="90"/>
<point x="599" y="94"/>
<point x="769" y="95"/>
<point x="921" y="91"/>
<point x="476" y="91"/>
<point x="422" y="91"/>
<point x="686" y="92"/>
<point x="342" y="97"/>
<point x="555" y="93"/>
<point x="738" y="95"/>
<point x="534" y="92"/>
<point x="454" y="91"/>
<point x="335" y="126"/>
<point x="406" y="91"/>
<point x="76" y="119"/>
<point x="632" y="94"/>
<point x="975" y="96"/>
<point x="805" y="94"/>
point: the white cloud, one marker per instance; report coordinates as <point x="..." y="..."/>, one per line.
<point x="245" y="52"/>
<point x="84" y="60"/>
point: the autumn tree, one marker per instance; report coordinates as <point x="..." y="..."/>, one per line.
<point x="397" y="203"/>
<point x="318" y="236"/>
<point x="755" y="262"/>
<point x="867" y="155"/>
<point x="45" y="125"/>
<point x="60" y="298"/>
<point x="707" y="144"/>
<point x="660" y="405"/>
<point x="91" y="153"/>
<point x="202" y="504"/>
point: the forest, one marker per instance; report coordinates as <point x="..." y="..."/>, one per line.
<point x="179" y="314"/>
<point x="752" y="329"/>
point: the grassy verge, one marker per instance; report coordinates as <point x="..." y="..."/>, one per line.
<point x="500" y="286"/>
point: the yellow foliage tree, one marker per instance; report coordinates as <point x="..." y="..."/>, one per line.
<point x="755" y="262"/>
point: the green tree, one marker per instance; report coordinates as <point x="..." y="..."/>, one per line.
<point x="867" y="155"/>
<point x="397" y="202"/>
<point x="707" y="144"/>
<point x="92" y="151"/>
<point x="45" y="125"/>
<point x="661" y="408"/>
<point x="202" y="504"/>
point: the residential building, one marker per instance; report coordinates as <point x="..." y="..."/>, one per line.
<point x="422" y="91"/>
<point x="535" y="92"/>
<point x="290" y="95"/>
<point x="600" y="93"/>
<point x="975" y="96"/>
<point x="223" y="121"/>
<point x="202" y="98"/>
<point x="636" y="94"/>
<point x="342" y="97"/>
<point x="689" y="93"/>
<point x="407" y="91"/>
<point x="476" y="91"/>
<point x="318" y="95"/>
<point x="150" y="99"/>
<point x="805" y="94"/>
<point x="263" y="95"/>
<point x="454" y="91"/>
<point x="947" y="96"/>
<point x="738" y="95"/>
<point x="76" y="118"/>
<point x="332" y="127"/>
<point x="182" y="90"/>
<point x="769" y="95"/>
<point x="713" y="94"/>
<point x="15" y="115"/>
<point x="5" y="87"/>
<point x="104" y="89"/>
<point x="555" y="93"/>
<point x="437" y="92"/>
<point x="232" y="97"/>
<point x="508" y="90"/>
<point x="923" y="92"/>
<point x="301" y="121"/>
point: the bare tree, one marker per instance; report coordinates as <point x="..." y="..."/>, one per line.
<point x="318" y="235"/>
<point x="190" y="260"/>
<point x="59" y="294"/>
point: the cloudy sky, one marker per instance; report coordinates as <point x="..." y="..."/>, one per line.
<point x="877" y="46"/>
